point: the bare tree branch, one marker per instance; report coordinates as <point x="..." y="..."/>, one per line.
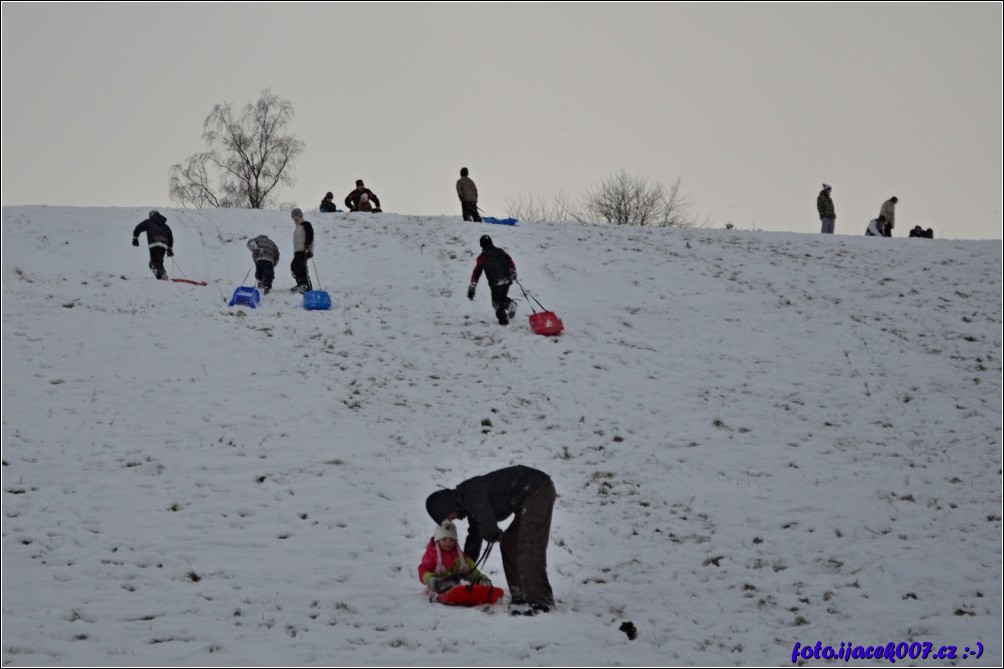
<point x="252" y="156"/>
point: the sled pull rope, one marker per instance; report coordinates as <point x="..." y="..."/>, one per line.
<point x="316" y="274"/>
<point x="530" y="296"/>
<point x="484" y="556"/>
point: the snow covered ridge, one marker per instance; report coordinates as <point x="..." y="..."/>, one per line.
<point x="758" y="440"/>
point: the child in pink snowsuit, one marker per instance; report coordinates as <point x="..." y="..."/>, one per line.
<point x="444" y="565"/>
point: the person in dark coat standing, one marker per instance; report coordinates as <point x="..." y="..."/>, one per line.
<point x="265" y="255"/>
<point x="827" y="213"/>
<point x="159" y="239"/>
<point x="328" y="203"/>
<point x="500" y="272"/>
<point x="362" y="198"/>
<point x="468" y="194"/>
<point x="484" y="500"/>
<point x="303" y="248"/>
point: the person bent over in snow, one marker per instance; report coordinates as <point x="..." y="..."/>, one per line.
<point x="484" y="500"/>
<point x="159" y="239"/>
<point x="500" y="272"/>
<point x="265" y="255"/>
<point x="444" y="565"/>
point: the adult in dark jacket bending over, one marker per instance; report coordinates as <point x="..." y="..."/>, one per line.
<point x="484" y="501"/>
<point x="159" y="239"/>
<point x="500" y="272"/>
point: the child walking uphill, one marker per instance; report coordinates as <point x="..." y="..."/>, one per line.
<point x="159" y="238"/>
<point x="500" y="272"/>
<point x="444" y="565"/>
<point x="265" y="255"/>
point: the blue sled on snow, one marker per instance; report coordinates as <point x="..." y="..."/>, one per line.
<point x="316" y="299"/>
<point x="247" y="296"/>
<point x="500" y="221"/>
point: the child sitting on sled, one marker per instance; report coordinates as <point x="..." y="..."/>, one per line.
<point x="444" y="565"/>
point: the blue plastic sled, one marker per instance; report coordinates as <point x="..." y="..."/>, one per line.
<point x="316" y="299"/>
<point x="247" y="296"/>
<point x="500" y="221"/>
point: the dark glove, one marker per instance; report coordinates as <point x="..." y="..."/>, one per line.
<point x="512" y="275"/>
<point x="484" y="580"/>
<point x="170" y="253"/>
<point x="309" y="252"/>
<point x="470" y="291"/>
<point x="494" y="535"/>
<point x="135" y="242"/>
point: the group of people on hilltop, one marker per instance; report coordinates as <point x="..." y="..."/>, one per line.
<point x="880" y="226"/>
<point x="362" y="198"/>
<point x="359" y="198"/>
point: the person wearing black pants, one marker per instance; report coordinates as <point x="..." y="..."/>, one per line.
<point x="500" y="272"/>
<point x="265" y="255"/>
<point x="160" y="240"/>
<point x="303" y="248"/>
<point x="467" y="191"/>
<point x="485" y="500"/>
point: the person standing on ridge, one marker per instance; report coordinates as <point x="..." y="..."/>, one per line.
<point x="827" y="214"/>
<point x="889" y="211"/>
<point x="468" y="194"/>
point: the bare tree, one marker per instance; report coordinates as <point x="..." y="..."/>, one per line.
<point x="623" y="199"/>
<point x="247" y="157"/>
<point x="535" y="209"/>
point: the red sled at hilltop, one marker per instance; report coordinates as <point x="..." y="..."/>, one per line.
<point x="470" y="595"/>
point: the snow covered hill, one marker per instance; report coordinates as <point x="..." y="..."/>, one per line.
<point x="758" y="440"/>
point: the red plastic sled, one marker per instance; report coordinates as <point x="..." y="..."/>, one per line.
<point x="546" y="323"/>
<point x="470" y="595"/>
<point x="194" y="283"/>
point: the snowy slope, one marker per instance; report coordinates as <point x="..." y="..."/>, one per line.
<point x="757" y="439"/>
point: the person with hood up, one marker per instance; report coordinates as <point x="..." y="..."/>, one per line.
<point x="468" y="194"/>
<point x="500" y="272"/>
<point x="160" y="240"/>
<point x="444" y="565"/>
<point x="484" y="500"/>
<point x="827" y="214"/>
<point x="328" y="203"/>
<point x="362" y="198"/>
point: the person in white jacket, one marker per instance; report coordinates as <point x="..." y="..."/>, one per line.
<point x="876" y="227"/>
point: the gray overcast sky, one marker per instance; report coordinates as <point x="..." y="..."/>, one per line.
<point x="752" y="105"/>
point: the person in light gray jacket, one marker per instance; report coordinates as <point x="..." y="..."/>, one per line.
<point x="265" y="255"/>
<point x="889" y="211"/>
